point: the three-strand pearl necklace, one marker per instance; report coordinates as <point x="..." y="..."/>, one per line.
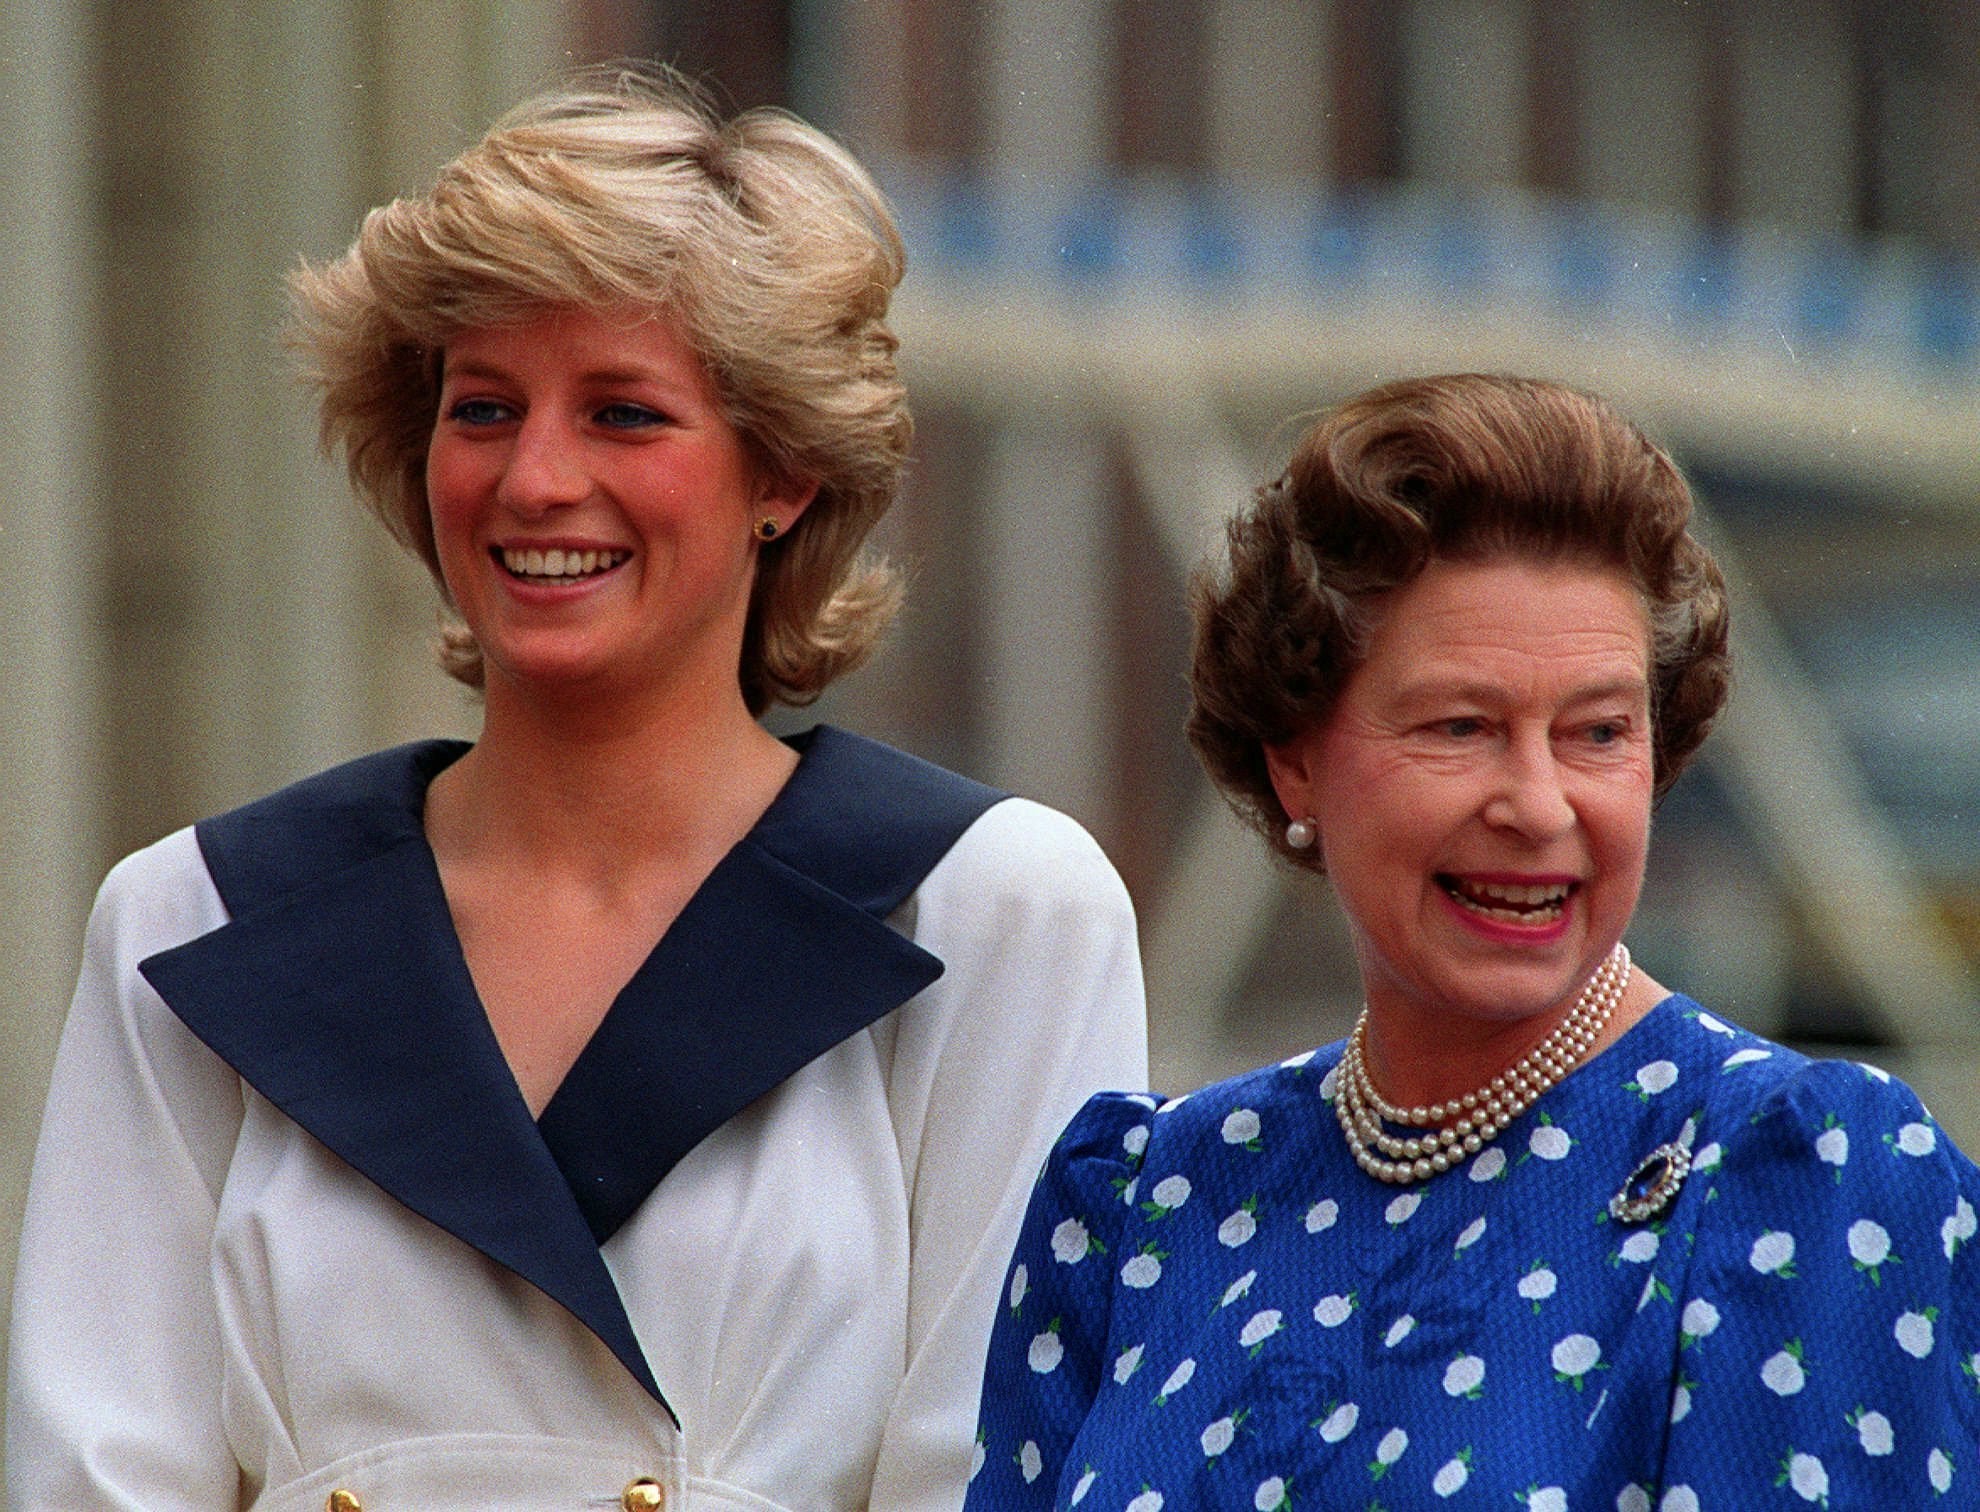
<point x="1460" y="1127"/>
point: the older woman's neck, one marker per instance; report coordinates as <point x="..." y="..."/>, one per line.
<point x="1418" y="1057"/>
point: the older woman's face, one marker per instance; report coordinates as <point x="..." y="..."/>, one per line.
<point x="1482" y="788"/>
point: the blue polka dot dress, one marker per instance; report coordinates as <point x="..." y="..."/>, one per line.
<point x="1212" y="1306"/>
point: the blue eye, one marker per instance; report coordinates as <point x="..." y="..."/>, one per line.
<point x="1463" y="726"/>
<point x="626" y="416"/>
<point x="476" y="412"/>
<point x="1606" y="733"/>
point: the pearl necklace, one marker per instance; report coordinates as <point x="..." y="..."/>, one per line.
<point x="1462" y="1126"/>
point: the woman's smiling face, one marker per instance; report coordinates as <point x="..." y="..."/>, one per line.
<point x="592" y="505"/>
<point x="1482" y="787"/>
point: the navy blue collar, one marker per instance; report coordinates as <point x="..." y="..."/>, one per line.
<point x="338" y="991"/>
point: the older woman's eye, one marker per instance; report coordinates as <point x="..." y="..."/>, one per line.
<point x="1463" y="727"/>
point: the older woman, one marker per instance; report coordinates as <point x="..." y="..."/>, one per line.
<point x="631" y="1109"/>
<point x="1540" y="1232"/>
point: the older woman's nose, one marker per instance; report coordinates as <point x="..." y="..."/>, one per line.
<point x="543" y="470"/>
<point x="1531" y="799"/>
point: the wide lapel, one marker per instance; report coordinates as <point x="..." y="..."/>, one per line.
<point x="782" y="954"/>
<point x="339" y="993"/>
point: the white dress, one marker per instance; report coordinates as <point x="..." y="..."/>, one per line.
<point x="296" y="1234"/>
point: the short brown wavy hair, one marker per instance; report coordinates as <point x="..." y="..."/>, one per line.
<point x="1468" y="467"/>
<point x="768" y="246"/>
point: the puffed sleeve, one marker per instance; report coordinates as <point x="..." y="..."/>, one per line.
<point x="115" y="1366"/>
<point x="1039" y="1006"/>
<point x="1829" y="1329"/>
<point x="1048" y="1349"/>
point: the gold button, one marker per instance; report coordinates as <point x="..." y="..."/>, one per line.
<point x="343" y="1501"/>
<point x="644" y="1495"/>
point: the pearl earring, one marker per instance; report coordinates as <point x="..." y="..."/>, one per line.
<point x="1301" y="833"/>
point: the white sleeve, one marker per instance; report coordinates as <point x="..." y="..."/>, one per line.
<point x="1040" y="1005"/>
<point x="113" y="1392"/>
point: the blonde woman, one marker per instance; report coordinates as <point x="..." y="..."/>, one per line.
<point x="631" y="1108"/>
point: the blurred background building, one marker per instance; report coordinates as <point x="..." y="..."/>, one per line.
<point x="1144" y="234"/>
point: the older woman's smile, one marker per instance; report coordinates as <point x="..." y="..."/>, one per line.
<point x="1509" y="902"/>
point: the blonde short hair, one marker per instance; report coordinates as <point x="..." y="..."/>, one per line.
<point x="764" y="242"/>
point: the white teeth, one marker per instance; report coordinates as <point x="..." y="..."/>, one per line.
<point x="557" y="562"/>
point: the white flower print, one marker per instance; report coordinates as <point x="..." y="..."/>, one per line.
<point x="1744" y="1058"/>
<point x="1178" y="1378"/>
<point x="1706" y="1021"/>
<point x="1239" y="1227"/>
<point x="1294" y="1062"/>
<point x="1473" y="1232"/>
<point x="1869" y="1243"/>
<point x="1873" y="1432"/>
<point x="1333" y="1311"/>
<point x="1550" y="1141"/>
<point x="1958" y="1228"/>
<point x="1680" y="1402"/>
<point x="1173" y="1103"/>
<point x="1451" y="1475"/>
<point x="1394" y="1442"/>
<point x="1463" y="1376"/>
<point x="1241" y="1128"/>
<point x="1938" y="1469"/>
<point x="1679" y="1499"/>
<point x="1260" y="1327"/>
<point x="1876" y="1072"/>
<point x="1340" y="1422"/>
<point x="1170" y="1193"/>
<point x="1707" y="1158"/>
<point x="1128" y="1191"/>
<point x="1699" y="1319"/>
<point x="1773" y="1253"/>
<point x="1913" y="1331"/>
<point x="1658" y="1076"/>
<point x="1070" y="1242"/>
<point x="1324" y="1214"/>
<point x="1330" y="1083"/>
<point x="1030" y="1461"/>
<point x="1399" y="1330"/>
<point x="1144" y="1100"/>
<point x="1547" y="1499"/>
<point x="1832" y="1146"/>
<point x="1270" y="1495"/>
<point x="1084" y="1485"/>
<point x="1401" y="1208"/>
<point x="1489" y="1164"/>
<point x="1633" y="1498"/>
<point x="1917" y="1139"/>
<point x="1238" y="1288"/>
<point x="1020" y="1285"/>
<point x="1807" y="1477"/>
<point x="1046" y="1351"/>
<point x="976" y="1457"/>
<point x="1640" y="1247"/>
<point x="1783" y="1374"/>
<point x="1143" y="1270"/>
<point x="1135" y="1141"/>
<point x="1128" y="1362"/>
<point x="1218" y="1437"/>
<point x="1574" y="1356"/>
<point x="1538" y="1284"/>
<point x="1148" y="1501"/>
